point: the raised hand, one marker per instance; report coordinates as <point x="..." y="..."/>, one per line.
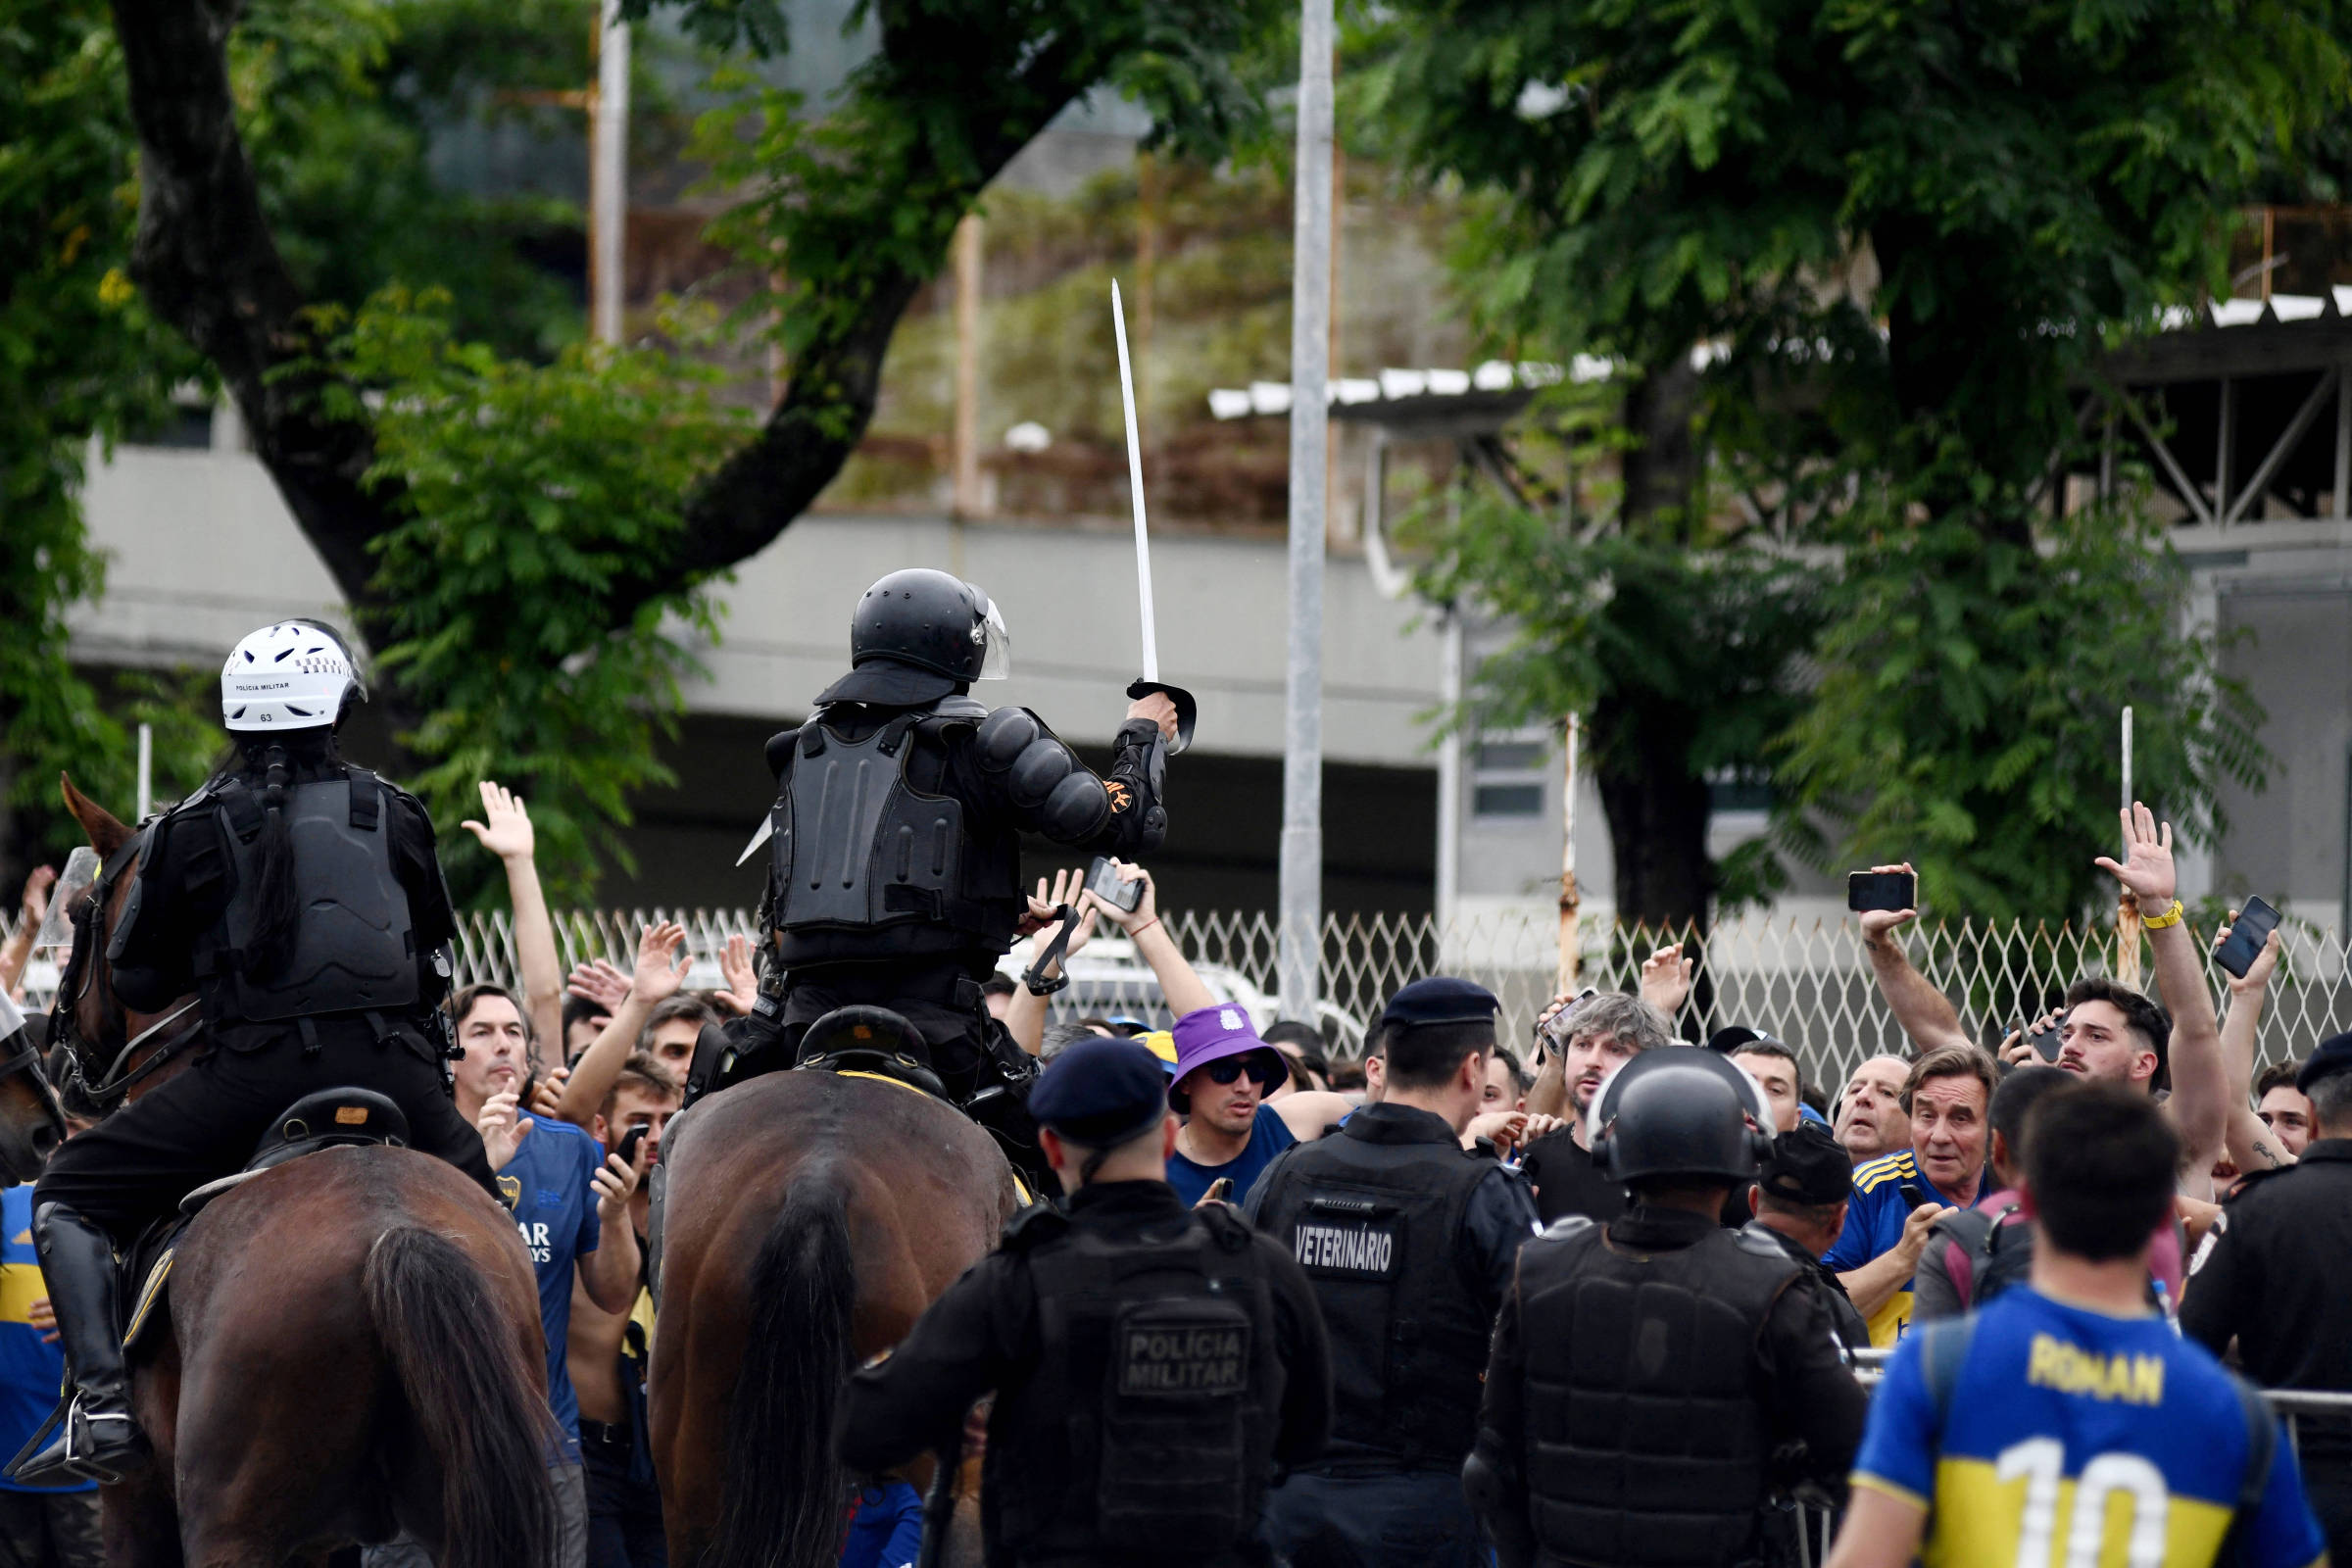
<point x="743" y="981"/>
<point x="1068" y="886"/>
<point x="2258" y="973"/>
<point x="601" y="983"/>
<point x="2147" y="870"/>
<point x="503" y="1130"/>
<point x="506" y="826"/>
<point x="1879" y="924"/>
<point x="1159" y="708"/>
<point x="1147" y="907"/>
<point x="547" y="1091"/>
<point x="657" y="978"/>
<point x="1666" y="979"/>
<point x="614" y="1182"/>
<point x="33" y="909"/>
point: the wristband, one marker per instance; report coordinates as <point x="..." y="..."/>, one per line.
<point x="2157" y="922"/>
<point x="1040" y="987"/>
<point x="1141" y="929"/>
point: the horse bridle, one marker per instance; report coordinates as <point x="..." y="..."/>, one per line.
<point x="89" y="920"/>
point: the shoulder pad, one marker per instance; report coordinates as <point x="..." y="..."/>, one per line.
<point x="1004" y="735"/>
<point x="1761" y="1247"/>
<point x="1568" y="1227"/>
<point x="1039" y="1222"/>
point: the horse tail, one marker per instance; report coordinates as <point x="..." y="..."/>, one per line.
<point x="784" y="1482"/>
<point x="471" y="1390"/>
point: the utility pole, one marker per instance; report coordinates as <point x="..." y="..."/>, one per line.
<point x="1299" y="949"/>
<point x="608" y="176"/>
<point x="965" y="441"/>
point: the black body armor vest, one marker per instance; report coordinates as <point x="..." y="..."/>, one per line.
<point x="858" y="849"/>
<point x="1148" y="1430"/>
<point x="1377" y="1227"/>
<point x="355" y="944"/>
<point x="1647" y="1439"/>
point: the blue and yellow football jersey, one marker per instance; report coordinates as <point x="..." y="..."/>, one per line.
<point x="31" y="1372"/>
<point x="1874" y="1222"/>
<point x="2076" y="1439"/>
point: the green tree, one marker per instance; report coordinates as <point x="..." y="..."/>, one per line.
<point x="79" y="359"/>
<point x="854" y="207"/>
<point x="1907" y="233"/>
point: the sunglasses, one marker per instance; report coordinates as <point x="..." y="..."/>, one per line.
<point x="1229" y="1069"/>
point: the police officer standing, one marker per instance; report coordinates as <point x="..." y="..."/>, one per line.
<point x="1643" y="1373"/>
<point x="1800" y="1199"/>
<point x="894" y="875"/>
<point x="1408" y="1239"/>
<point x="1151" y="1364"/>
<point x="2277" y="1280"/>
<point x="302" y="899"/>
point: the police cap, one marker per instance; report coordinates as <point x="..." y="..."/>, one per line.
<point x="1440" y="998"/>
<point x="1807" y="1165"/>
<point x="1100" y="1093"/>
<point x="2334" y="1056"/>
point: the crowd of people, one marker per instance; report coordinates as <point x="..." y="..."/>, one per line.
<point x="1614" y="1300"/>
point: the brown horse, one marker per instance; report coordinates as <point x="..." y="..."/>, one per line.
<point x="354" y="1344"/>
<point x="809" y="1218"/>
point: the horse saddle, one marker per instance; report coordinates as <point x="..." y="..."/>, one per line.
<point x="896" y="1066"/>
<point x="329" y="1118"/>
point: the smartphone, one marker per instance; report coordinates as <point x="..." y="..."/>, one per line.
<point x="1104" y="882"/>
<point x="2046" y="1044"/>
<point x="1881" y="890"/>
<point x="1910" y="1193"/>
<point x="2247" y="933"/>
<point x="630" y="1142"/>
<point x="1220" y="1190"/>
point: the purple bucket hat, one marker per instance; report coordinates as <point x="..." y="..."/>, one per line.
<point x="1210" y="1034"/>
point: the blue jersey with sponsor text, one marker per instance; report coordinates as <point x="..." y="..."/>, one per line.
<point x="1874" y="1222"/>
<point x="2080" y="1440"/>
<point x="31" y="1372"/>
<point x="547" y="1186"/>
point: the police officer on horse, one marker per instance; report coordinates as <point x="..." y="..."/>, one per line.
<point x="1153" y="1365"/>
<point x="1645" y="1373"/>
<point x="1407" y="1239"/>
<point x="300" y="899"/>
<point x="894" y="870"/>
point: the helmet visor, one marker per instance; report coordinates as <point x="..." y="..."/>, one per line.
<point x="995" y="657"/>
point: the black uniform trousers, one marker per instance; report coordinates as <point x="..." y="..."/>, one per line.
<point x="205" y="1122"/>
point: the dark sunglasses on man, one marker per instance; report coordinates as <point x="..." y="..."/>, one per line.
<point x="1266" y="1066"/>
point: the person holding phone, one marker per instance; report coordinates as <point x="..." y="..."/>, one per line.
<point x="610" y="1351"/>
<point x="2111" y="1033"/>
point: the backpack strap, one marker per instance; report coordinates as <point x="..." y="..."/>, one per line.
<point x="1943" y="1349"/>
<point x="367" y="800"/>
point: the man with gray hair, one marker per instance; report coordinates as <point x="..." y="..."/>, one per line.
<point x="1583" y="1044"/>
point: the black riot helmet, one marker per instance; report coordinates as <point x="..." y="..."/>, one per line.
<point x="931" y="620"/>
<point x="1681" y="1111"/>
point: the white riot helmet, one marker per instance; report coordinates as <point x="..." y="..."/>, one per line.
<point x="294" y="676"/>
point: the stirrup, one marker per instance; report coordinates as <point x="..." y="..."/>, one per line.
<point x="74" y="1451"/>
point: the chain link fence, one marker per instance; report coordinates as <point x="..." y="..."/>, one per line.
<point x="1805" y="982"/>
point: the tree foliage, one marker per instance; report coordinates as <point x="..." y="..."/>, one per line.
<point x="79" y="359"/>
<point x="1907" y="232"/>
<point x="528" y="492"/>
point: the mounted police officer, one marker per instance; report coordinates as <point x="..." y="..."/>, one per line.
<point x="1645" y="1373"/>
<point x="1408" y="1239"/>
<point x="300" y="898"/>
<point x="1153" y="1365"/>
<point x="894" y="874"/>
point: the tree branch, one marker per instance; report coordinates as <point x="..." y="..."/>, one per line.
<point x="205" y="258"/>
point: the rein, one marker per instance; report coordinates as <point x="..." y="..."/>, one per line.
<point x="116" y="1081"/>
